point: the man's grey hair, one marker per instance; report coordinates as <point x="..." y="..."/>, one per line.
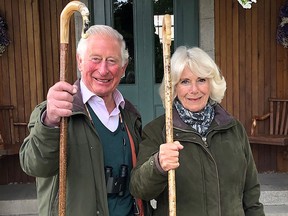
<point x="105" y="31"/>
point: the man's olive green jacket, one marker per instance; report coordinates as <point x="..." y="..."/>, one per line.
<point x="86" y="187"/>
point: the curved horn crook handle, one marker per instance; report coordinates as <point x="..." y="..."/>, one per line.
<point x="166" y="35"/>
<point x="65" y="16"/>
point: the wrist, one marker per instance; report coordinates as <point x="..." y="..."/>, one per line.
<point x="46" y="121"/>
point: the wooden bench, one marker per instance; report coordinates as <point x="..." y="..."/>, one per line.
<point x="278" y="124"/>
<point x="9" y="144"/>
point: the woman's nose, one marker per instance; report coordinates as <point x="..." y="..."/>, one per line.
<point x="193" y="88"/>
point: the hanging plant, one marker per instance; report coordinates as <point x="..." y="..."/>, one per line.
<point x="246" y="4"/>
<point x="282" y="30"/>
<point x="4" y="40"/>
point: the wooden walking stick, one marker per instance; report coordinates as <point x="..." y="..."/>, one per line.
<point x="166" y="35"/>
<point x="65" y="16"/>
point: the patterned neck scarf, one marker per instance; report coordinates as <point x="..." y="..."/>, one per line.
<point x="200" y="121"/>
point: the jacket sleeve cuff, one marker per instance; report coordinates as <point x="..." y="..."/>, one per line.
<point x="43" y="116"/>
<point x="157" y="164"/>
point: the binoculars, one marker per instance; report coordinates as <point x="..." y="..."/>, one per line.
<point x="116" y="185"/>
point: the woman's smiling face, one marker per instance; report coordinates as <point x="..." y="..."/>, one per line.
<point x="192" y="91"/>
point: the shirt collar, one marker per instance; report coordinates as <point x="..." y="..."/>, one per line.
<point x="87" y="95"/>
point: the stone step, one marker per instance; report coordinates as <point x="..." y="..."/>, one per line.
<point x="274" y="193"/>
<point x="20" y="199"/>
<point x="274" y="197"/>
<point x="274" y="188"/>
<point x="18" y="207"/>
<point x="276" y="210"/>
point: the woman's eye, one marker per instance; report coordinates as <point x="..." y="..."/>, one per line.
<point x="201" y="80"/>
<point x="185" y="82"/>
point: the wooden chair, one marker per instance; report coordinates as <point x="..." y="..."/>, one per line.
<point x="278" y="124"/>
<point x="9" y="145"/>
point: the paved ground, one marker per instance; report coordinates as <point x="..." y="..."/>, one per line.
<point x="20" y="199"/>
<point x="17" y="191"/>
<point x="274" y="181"/>
<point x="274" y="193"/>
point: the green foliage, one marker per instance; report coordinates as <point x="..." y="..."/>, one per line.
<point x="163" y="7"/>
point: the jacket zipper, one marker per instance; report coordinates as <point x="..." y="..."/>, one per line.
<point x="204" y="139"/>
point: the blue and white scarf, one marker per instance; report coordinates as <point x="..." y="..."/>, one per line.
<point x="199" y="121"/>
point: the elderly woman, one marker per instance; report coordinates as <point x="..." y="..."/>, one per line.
<point x="215" y="170"/>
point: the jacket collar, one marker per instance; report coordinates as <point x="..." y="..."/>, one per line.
<point x="222" y="118"/>
<point x="78" y="105"/>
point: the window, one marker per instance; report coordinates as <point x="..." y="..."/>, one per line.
<point x="123" y="22"/>
<point x="161" y="7"/>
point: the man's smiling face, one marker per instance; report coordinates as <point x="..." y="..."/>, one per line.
<point x="101" y="65"/>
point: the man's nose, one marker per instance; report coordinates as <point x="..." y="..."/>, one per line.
<point x="103" y="70"/>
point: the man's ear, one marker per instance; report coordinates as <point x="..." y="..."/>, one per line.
<point x="124" y="68"/>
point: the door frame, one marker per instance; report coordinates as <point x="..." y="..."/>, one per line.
<point x="144" y="93"/>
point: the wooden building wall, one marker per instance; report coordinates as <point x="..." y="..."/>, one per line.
<point x="29" y="66"/>
<point x="254" y="65"/>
